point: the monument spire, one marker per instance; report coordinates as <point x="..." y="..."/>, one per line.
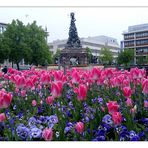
<point x="73" y="39"/>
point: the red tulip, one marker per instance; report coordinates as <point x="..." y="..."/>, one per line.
<point x="117" y="118"/>
<point x="47" y="134"/>
<point x="79" y="127"/>
<point x="112" y="106"/>
<point x="127" y="92"/>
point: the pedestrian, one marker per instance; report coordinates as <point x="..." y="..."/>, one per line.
<point x="5" y="69"/>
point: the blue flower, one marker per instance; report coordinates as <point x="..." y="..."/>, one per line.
<point x="106" y="127"/>
<point x="22" y="132"/>
<point x="43" y="119"/>
<point x="67" y="129"/>
<point x="133" y="136"/>
<point x="69" y="124"/>
<point x="52" y="119"/>
<point x="124" y="136"/>
<point x="101" y="138"/>
<point x="35" y="133"/>
<point x="14" y="107"/>
<point x="2" y="126"/>
<point x="100" y="100"/>
<point x="144" y="121"/>
<point x="107" y="119"/>
<point x="142" y="135"/>
<point x="32" y="121"/>
<point x="121" y="128"/>
<point x="50" y="125"/>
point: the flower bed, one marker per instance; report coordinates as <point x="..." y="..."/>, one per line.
<point x="83" y="105"/>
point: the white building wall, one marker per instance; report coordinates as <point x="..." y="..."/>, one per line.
<point x="94" y="43"/>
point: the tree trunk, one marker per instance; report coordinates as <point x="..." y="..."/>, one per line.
<point x="17" y="64"/>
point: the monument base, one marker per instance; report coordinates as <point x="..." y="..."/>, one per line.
<point x="79" y="54"/>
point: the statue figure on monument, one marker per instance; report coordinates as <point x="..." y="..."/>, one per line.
<point x="73" y="40"/>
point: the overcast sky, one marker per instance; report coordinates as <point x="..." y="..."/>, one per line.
<point x="90" y="21"/>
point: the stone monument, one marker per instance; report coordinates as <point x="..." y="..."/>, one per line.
<point x="73" y="53"/>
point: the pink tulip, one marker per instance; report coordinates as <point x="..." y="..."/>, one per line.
<point x="21" y="82"/>
<point x="126" y="83"/>
<point x="45" y="78"/>
<point x="39" y="87"/>
<point x="127" y="92"/>
<point x="146" y="104"/>
<point x="109" y="73"/>
<point x="49" y="100"/>
<point x="112" y="106"/>
<point x="58" y="75"/>
<point x="95" y="73"/>
<point x="6" y="77"/>
<point x="29" y="84"/>
<point x="41" y="102"/>
<point x="81" y="92"/>
<point x="145" y="86"/>
<point x="5" y="99"/>
<point x="134" y="73"/>
<point x="23" y="93"/>
<point x="34" y="103"/>
<point x="1" y="74"/>
<point x="16" y="90"/>
<point x="75" y="77"/>
<point x="2" y="117"/>
<point x="129" y="102"/>
<point x="117" y="118"/>
<point x="47" y="134"/>
<point x="79" y="127"/>
<point x="56" y="89"/>
<point x="133" y="110"/>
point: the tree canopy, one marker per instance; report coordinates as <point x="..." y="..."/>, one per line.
<point x="56" y="56"/>
<point x="126" y="57"/>
<point x="89" y="54"/>
<point x="26" y="42"/>
<point x="106" y="56"/>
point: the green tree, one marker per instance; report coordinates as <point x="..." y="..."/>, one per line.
<point x="36" y="40"/>
<point x="14" y="41"/>
<point x="126" y="57"/>
<point x="25" y="42"/>
<point x="56" y="55"/>
<point x="106" y="56"/>
<point x="2" y="52"/>
<point x="89" y="54"/>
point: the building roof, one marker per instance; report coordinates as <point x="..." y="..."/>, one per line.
<point x="137" y="28"/>
<point x="3" y="24"/>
